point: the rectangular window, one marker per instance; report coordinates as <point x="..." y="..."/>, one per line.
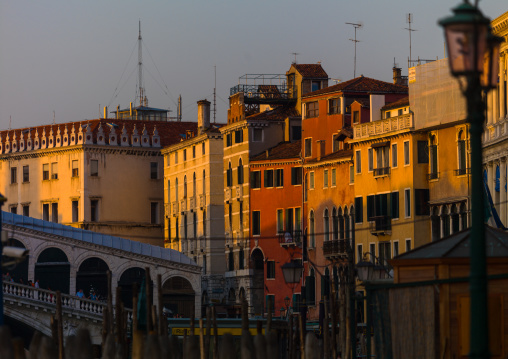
<point x="45" y="212"/>
<point x="358" y="163"/>
<point x="280" y="221"/>
<point x="325" y="179"/>
<point x="407" y="203"/>
<point x="185" y="155"/>
<point x="406" y="153"/>
<point x="408" y="245"/>
<point x="154" y="212"/>
<point x="26" y="174"/>
<point x="229" y="140"/>
<point x="385" y="253"/>
<point x="422" y="207"/>
<point x="289" y="220"/>
<point x="75" y="211"/>
<point x="394" y="204"/>
<point x="268" y="178"/>
<point x="394" y="155"/>
<point x="333" y="106"/>
<point x="296" y="176"/>
<point x="279" y="177"/>
<point x="94" y="168"/>
<point x="54" y="170"/>
<point x="395" y="248"/>
<point x="370" y="207"/>
<point x="372" y="252"/>
<point x="423" y="152"/>
<point x="94" y="210"/>
<point x="359" y="253"/>
<point x="388" y="114"/>
<point x="229" y="177"/>
<point x="298" y="219"/>
<point x="154" y="170"/>
<point x="193" y="151"/>
<point x="358" y="209"/>
<point x="257" y="135"/>
<point x="75" y="169"/>
<point x="26" y="210"/>
<point x="54" y="212"/>
<point x="14" y="209"/>
<point x="311" y="181"/>
<point x="14" y="175"/>
<point x="308" y="147"/>
<point x="176" y="158"/>
<point x="399" y="112"/>
<point x="203" y="149"/>
<point x="45" y="171"/>
<point x="296" y="133"/>
<point x="255" y="179"/>
<point x="382" y="161"/>
<point x="315" y="85"/>
<point x="371" y="159"/>
<point x="256" y="223"/>
<point x="356" y="117"/>
<point x="270" y="270"/>
<point x="311" y="109"/>
<point x="239" y="136"/>
<point x="334" y="177"/>
<point x="351" y="174"/>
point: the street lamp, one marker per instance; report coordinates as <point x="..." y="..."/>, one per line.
<point x="470" y="43"/>
<point x="292" y="272"/>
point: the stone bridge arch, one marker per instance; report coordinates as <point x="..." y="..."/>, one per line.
<point x="53" y="270"/>
<point x="179" y="296"/>
<point x="91" y="276"/>
<point x="20" y="271"/>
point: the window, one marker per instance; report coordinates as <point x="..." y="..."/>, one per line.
<point x="334" y="177"/>
<point x="315" y="85"/>
<point x="289" y="220"/>
<point x="14" y="175"/>
<point x="231" y="261"/>
<point x="94" y="210"/>
<point x="296" y="176"/>
<point x="371" y="159"/>
<point x="184" y="186"/>
<point x="268" y="178"/>
<point x="407" y="202"/>
<point x="382" y="161"/>
<point x="54" y="170"/>
<point x="433" y="158"/>
<point x="193" y="151"/>
<point x="325" y="179"/>
<point x="270" y="271"/>
<point x="384" y="253"/>
<point x="399" y="112"/>
<point x="358" y="209"/>
<point x="408" y="245"/>
<point x="359" y="253"/>
<point x="45" y="212"/>
<point x="45" y="171"/>
<point x="154" y="213"/>
<point x="26" y="210"/>
<point x="461" y="154"/>
<point x="311" y="181"/>
<point x="54" y="212"/>
<point x="377" y="206"/>
<point x="296" y="133"/>
<point x="406" y="153"/>
<point x="298" y="219"/>
<point x="75" y="169"/>
<point x="356" y="117"/>
<point x="229" y="176"/>
<point x="255" y="179"/>
<point x="154" y="170"/>
<point x="26" y="174"/>
<point x="94" y="168"/>
<point x="308" y="147"/>
<point x="241" y="259"/>
<point x="229" y="140"/>
<point x="185" y="155"/>
<point x="280" y="221"/>
<point x="203" y="149"/>
<point x="240" y="216"/>
<point x="239" y="136"/>
<point x="358" y="162"/>
<point x="395" y="248"/>
<point x="176" y="158"/>
<point x="312" y="243"/>
<point x="239" y="171"/>
<point x="14" y="209"/>
<point x="333" y="106"/>
<point x="394" y="204"/>
<point x="279" y="177"/>
<point x="423" y="152"/>
<point x="75" y="213"/>
<point x="326" y="225"/>
<point x="388" y="114"/>
<point x="394" y="155"/>
<point x="230" y="216"/>
<point x="257" y="135"/>
<point x="311" y="109"/>
<point x="422" y="202"/>
<point x="351" y="174"/>
<point x="256" y="223"/>
<point x="372" y="252"/>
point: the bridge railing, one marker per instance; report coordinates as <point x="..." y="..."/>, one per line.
<point x="69" y="302"/>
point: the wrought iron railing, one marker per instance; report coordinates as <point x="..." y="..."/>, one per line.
<point x="382" y="171"/>
<point x="290" y="238"/>
<point x="380" y="224"/>
<point x="335" y="247"/>
<point x="433" y="175"/>
<point x="265" y="92"/>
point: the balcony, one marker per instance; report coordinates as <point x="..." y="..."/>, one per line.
<point x="382" y="127"/>
<point x="335" y="248"/>
<point x="183" y="205"/>
<point x="290" y="239"/>
<point x="380" y="225"/>
<point x="192" y="204"/>
<point x="174" y="206"/>
<point x="229" y="240"/>
<point x="265" y="88"/>
<point x="227" y="195"/>
<point x="383" y="171"/>
<point x="202" y="201"/>
<point x="167" y="210"/>
<point x="433" y="176"/>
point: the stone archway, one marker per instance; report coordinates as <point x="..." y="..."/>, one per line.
<point x="179" y="297"/>
<point x="92" y="276"/>
<point x="128" y="279"/>
<point x="19" y="272"/>
<point x="53" y="270"/>
<point x="258" y="284"/>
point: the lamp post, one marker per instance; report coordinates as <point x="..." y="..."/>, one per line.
<point x="469" y="44"/>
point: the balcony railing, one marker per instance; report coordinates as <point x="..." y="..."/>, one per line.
<point x="433" y="175"/>
<point x="287" y="239"/>
<point x="383" y="171"/>
<point x="192" y="204"/>
<point x="380" y="225"/>
<point x="383" y="126"/>
<point x="334" y="248"/>
<point x="183" y="205"/>
<point x="175" y="208"/>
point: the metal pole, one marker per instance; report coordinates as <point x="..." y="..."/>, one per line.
<point x="2" y="199"/>
<point x="369" y="350"/>
<point x="478" y="275"/>
<point x="352" y="287"/>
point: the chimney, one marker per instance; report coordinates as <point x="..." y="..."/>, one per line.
<point x="118" y="111"/>
<point x="105" y="112"/>
<point x="397" y="75"/>
<point x="203" y="115"/>
<point x="130" y="108"/>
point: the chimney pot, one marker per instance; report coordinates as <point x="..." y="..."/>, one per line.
<point x="203" y="115"/>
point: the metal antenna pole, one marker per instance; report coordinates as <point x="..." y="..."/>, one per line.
<point x="140" y="68"/>
<point x="356" y="26"/>
<point x="295" y="53"/>
<point x="409" y="21"/>
<point x="214" y="92"/>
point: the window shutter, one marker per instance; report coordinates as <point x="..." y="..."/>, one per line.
<point x="310" y="288"/>
<point x="370" y="207"/>
<point x="325" y="286"/>
<point x="394" y="204"/>
<point x="358" y="209"/>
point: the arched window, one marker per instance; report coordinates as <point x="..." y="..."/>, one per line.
<point x="455" y="219"/>
<point x="176" y="189"/>
<point x="341" y="224"/>
<point x="433" y="157"/>
<point x="463" y="216"/>
<point x="346" y="223"/>
<point x="204" y="182"/>
<point x="194" y="184"/>
<point x="498" y="179"/>
<point x="312" y="243"/>
<point x="229" y="176"/>
<point x="240" y="172"/>
<point x="326" y="225"/>
<point x="305" y="189"/>
<point x="169" y="192"/>
<point x="335" y="224"/>
<point x="185" y="187"/>
<point x="445" y="221"/>
<point x="325" y="284"/>
<point x="461" y="143"/>
<point x="435" y="223"/>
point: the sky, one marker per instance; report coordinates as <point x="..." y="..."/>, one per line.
<point x="64" y="60"/>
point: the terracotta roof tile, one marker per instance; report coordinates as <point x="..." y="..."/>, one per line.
<point x="284" y="150"/>
<point x="400" y="103"/>
<point x="362" y="84"/>
<point x="310" y="70"/>
<point x="332" y="156"/>
<point x="365" y="102"/>
<point x="277" y="114"/>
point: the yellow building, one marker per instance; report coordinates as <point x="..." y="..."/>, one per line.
<point x="103" y="175"/>
<point x="390" y="177"/>
<point x="194" y="195"/>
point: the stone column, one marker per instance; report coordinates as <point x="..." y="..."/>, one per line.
<point x="502" y="79"/>
<point x="502" y="205"/>
<point x="495" y="105"/>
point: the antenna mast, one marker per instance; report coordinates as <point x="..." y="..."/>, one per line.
<point x="179" y="111"/>
<point x="409" y="20"/>
<point x="142" y="99"/>
<point x="356" y="26"/>
<point x="295" y="53"/>
<point x="214" y="92"/>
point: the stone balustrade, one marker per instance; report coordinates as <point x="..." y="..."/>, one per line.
<point x="382" y="127"/>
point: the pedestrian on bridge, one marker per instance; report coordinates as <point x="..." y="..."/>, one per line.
<point x="80" y="293"/>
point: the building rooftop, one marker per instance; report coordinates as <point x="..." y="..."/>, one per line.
<point x="332" y="156"/>
<point x="284" y="150"/>
<point x="95" y="238"/>
<point x="362" y="84"/>
<point x="311" y="70"/>
<point x="403" y="102"/>
<point x="279" y="113"/>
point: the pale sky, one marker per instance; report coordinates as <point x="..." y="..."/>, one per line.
<point x="75" y="57"/>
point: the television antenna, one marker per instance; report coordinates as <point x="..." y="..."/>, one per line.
<point x="295" y="53"/>
<point x="356" y="26"/>
<point x="409" y="20"/>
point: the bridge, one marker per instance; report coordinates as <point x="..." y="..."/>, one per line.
<point x="69" y="259"/>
